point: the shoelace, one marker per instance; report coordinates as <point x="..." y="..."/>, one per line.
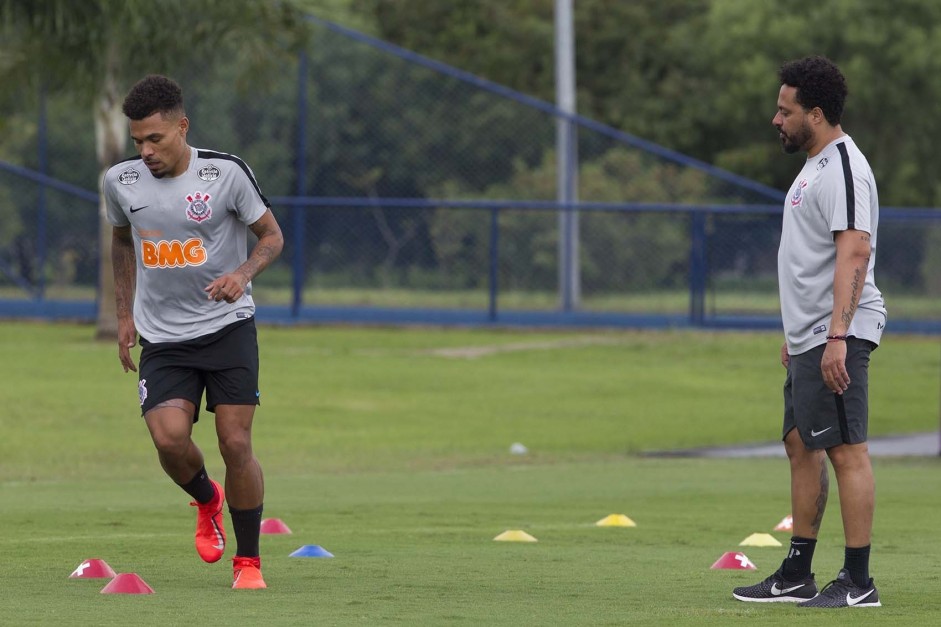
<point x="836" y="583"/>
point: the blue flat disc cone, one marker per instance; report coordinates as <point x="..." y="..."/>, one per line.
<point x="311" y="550"/>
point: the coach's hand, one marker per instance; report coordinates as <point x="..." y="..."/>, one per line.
<point x="785" y="358"/>
<point x="833" y="367"/>
<point x="229" y="287"/>
<point x="127" y="338"/>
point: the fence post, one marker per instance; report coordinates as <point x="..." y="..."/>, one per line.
<point x="297" y="211"/>
<point x="698" y="269"/>
<point x="41" y="217"/>
<point x="566" y="157"/>
<point x="494" y="261"/>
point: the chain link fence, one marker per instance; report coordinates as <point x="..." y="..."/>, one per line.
<point x="408" y="190"/>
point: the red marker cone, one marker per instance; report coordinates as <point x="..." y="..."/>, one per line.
<point x="93" y="569"/>
<point x="734" y="561"/>
<point x="786" y="524"/>
<point x="274" y="525"/>
<point x="127" y="583"/>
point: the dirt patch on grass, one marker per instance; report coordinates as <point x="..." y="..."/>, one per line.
<point x="476" y="352"/>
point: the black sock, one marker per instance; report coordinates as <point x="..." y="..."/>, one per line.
<point x="199" y="487"/>
<point x="797" y="563"/>
<point x="856" y="562"/>
<point x="247" y="526"/>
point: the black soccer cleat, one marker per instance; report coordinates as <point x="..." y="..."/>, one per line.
<point x="843" y="592"/>
<point x="777" y="589"/>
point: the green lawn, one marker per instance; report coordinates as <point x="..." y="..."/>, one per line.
<point x="390" y="449"/>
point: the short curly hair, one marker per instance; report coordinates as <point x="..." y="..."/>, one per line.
<point x="819" y="83"/>
<point x="153" y="94"/>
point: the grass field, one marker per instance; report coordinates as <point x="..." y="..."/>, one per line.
<point x="755" y="299"/>
<point x="390" y="448"/>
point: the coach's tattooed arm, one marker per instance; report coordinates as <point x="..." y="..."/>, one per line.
<point x="853" y="250"/>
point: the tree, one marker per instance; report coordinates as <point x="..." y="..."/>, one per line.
<point x="889" y="52"/>
<point x="628" y="251"/>
<point x="94" y="49"/>
<point x="634" y="61"/>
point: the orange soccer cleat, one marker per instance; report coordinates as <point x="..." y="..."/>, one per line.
<point x="210" y="533"/>
<point x="246" y="573"/>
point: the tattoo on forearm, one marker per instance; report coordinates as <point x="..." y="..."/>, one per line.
<point x="821" y="497"/>
<point x="847" y="314"/>
<point x="123" y="262"/>
<point x="262" y="255"/>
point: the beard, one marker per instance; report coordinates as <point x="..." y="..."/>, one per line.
<point x="796" y="141"/>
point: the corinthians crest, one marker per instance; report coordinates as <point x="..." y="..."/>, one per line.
<point x="198" y="209"/>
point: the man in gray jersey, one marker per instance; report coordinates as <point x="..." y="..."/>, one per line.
<point x="180" y="220"/>
<point x="833" y="318"/>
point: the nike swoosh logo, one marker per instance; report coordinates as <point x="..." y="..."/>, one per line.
<point x="851" y="601"/>
<point x="814" y="434"/>
<point x="776" y="591"/>
<point x="220" y="539"/>
<point x="134" y="209"/>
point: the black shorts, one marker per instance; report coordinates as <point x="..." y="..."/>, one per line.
<point x="224" y="364"/>
<point x="824" y="419"/>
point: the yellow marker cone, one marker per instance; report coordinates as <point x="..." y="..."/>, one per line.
<point x="759" y="539"/>
<point x="515" y="535"/>
<point x="616" y="520"/>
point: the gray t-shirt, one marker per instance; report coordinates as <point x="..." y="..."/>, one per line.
<point x="188" y="231"/>
<point x="835" y="191"/>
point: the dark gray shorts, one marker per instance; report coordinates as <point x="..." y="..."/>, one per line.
<point x="824" y="419"/>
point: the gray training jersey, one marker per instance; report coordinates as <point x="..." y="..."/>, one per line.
<point x="188" y="231"/>
<point x="835" y="191"/>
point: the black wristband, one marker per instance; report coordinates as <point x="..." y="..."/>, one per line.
<point x="836" y="338"/>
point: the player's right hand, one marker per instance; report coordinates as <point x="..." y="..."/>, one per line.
<point x="127" y="338"/>
<point x="785" y="358"/>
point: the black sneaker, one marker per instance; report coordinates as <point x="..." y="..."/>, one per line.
<point x="777" y="589"/>
<point x="842" y="592"/>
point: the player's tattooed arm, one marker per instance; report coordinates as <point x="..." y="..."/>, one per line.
<point x="124" y="264"/>
<point x="231" y="286"/>
<point x="269" y="245"/>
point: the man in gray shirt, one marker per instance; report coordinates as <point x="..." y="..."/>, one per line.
<point x="181" y="218"/>
<point x="833" y="318"/>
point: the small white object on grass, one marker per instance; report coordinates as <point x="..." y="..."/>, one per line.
<point x="518" y="449"/>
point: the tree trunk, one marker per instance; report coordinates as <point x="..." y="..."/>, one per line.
<point x="110" y="141"/>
